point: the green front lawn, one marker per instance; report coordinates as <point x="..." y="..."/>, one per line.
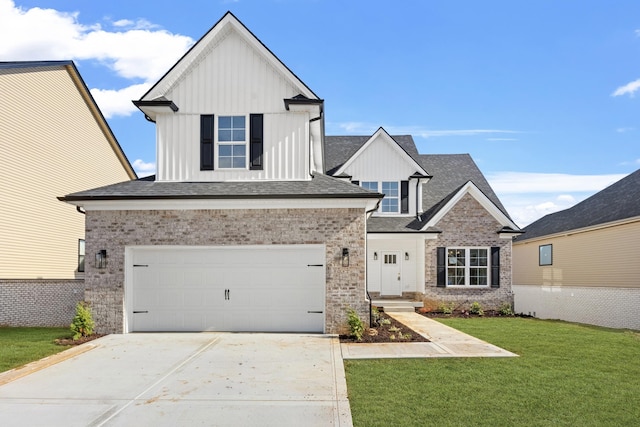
<point x="567" y="375"/>
<point x="19" y="346"/>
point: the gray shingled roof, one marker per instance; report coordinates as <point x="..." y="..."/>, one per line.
<point x="321" y="186"/>
<point x="619" y="201"/>
<point x="339" y="149"/>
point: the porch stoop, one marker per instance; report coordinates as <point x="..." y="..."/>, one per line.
<point x="391" y="305"/>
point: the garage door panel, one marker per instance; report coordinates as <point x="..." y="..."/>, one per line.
<point x="269" y="289"/>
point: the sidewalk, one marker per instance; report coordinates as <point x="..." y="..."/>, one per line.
<point x="445" y="342"/>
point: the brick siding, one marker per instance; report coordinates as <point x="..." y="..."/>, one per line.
<point x="336" y="228"/>
<point x="468" y="224"/>
<point x="39" y="302"/>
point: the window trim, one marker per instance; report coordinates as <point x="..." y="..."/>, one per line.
<point x="218" y="143"/>
<point x="468" y="266"/>
<point x="544" y="263"/>
<point x="379" y="190"/>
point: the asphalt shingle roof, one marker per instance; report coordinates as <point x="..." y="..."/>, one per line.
<point x="619" y="201"/>
<point x="321" y="186"/>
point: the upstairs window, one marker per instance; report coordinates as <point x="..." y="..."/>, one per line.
<point x="390" y="189"/>
<point x="232" y="142"/>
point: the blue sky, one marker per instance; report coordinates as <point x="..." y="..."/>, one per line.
<point x="541" y="94"/>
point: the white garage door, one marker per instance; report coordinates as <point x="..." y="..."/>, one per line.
<point x="241" y="288"/>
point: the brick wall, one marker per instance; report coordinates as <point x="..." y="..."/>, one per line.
<point x="602" y="306"/>
<point x="39" y="302"/>
<point x="336" y="228"/>
<point x="468" y="224"/>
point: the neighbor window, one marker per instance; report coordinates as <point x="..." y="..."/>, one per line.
<point x="546" y="255"/>
<point x="232" y="142"/>
<point x="81" y="256"/>
<point x="467" y="266"/>
<point x="390" y="203"/>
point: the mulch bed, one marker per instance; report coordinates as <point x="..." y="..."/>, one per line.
<point x="393" y="332"/>
<point x="81" y="340"/>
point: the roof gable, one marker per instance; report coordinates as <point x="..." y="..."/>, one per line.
<point x="618" y="202"/>
<point x="227" y="27"/>
<point x="470" y="188"/>
<point x="382" y="140"/>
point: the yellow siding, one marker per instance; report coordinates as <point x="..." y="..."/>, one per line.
<point x="50" y="145"/>
<point x="606" y="257"/>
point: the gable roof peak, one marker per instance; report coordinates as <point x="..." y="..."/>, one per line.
<point x="229" y="22"/>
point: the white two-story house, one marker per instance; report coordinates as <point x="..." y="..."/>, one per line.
<point x="253" y="221"/>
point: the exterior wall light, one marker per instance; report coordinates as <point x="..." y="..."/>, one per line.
<point x="101" y="259"/>
<point x="345" y="257"/>
<point x="375" y="256"/>
<point x="406" y="256"/>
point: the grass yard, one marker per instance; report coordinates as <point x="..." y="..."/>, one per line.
<point x="566" y="375"/>
<point x="19" y="346"/>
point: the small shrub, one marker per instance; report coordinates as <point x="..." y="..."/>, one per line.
<point x="375" y="316"/>
<point x="385" y="322"/>
<point x="505" y="309"/>
<point x="445" y="308"/>
<point x="476" y="308"/>
<point x="356" y="325"/>
<point x="82" y="324"/>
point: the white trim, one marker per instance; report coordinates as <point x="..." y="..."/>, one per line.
<point x="381" y="133"/>
<point x="193" y="204"/>
<point x="471" y="189"/>
<point x="402" y="236"/>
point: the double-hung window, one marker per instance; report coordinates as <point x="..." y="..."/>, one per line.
<point x="232" y="142"/>
<point x="468" y="267"/>
<point x="390" y="189"/>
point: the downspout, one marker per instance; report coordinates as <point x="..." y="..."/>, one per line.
<point x="366" y="274"/>
<point x="82" y="211"/>
<point x="417" y="202"/>
<point x="315" y="137"/>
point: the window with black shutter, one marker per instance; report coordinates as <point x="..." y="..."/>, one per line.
<point x="256" y="141"/>
<point x="206" y="142"/>
<point x="404" y="196"/>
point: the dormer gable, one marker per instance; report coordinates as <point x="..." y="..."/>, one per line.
<point x="230" y="110"/>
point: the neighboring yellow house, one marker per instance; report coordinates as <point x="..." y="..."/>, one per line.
<point x="583" y="264"/>
<point x="53" y="141"/>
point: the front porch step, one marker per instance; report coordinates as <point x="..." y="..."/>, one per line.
<point x="391" y="305"/>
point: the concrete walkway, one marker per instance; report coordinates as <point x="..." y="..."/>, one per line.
<point x="445" y="342"/>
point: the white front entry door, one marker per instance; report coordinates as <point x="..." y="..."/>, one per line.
<point x="267" y="288"/>
<point x="391" y="283"/>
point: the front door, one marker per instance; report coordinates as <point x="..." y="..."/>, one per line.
<point x="390" y="274"/>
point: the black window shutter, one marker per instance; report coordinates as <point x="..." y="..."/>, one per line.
<point x="404" y="196"/>
<point x="206" y="142"/>
<point x="495" y="267"/>
<point x="355" y="182"/>
<point x="255" y="141"/>
<point x="442" y="270"/>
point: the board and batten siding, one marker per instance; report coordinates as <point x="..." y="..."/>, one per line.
<point x="381" y="162"/>
<point x="233" y="78"/>
<point x="603" y="257"/>
<point x="50" y="145"/>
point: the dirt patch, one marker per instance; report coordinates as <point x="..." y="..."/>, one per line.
<point x="81" y="340"/>
<point x="463" y="314"/>
<point x="388" y="330"/>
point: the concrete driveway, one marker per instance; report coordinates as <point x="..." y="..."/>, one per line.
<point x="211" y="379"/>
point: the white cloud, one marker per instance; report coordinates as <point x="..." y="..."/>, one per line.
<point x="628" y="89"/>
<point x="364" y="128"/>
<point x="526" y="182"/>
<point x="137" y="53"/>
<point x="143" y="168"/>
<point x="624" y="129"/>
<point x="118" y="102"/>
<point x="502" y="139"/>
<point x="530" y="196"/>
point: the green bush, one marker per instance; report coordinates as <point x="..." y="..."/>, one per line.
<point x="505" y="309"/>
<point x="445" y="308"/>
<point x="356" y="325"/>
<point x="476" y="308"/>
<point x="82" y="324"/>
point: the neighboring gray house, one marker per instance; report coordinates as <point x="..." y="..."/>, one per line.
<point x="253" y="221"/>
<point x="581" y="264"/>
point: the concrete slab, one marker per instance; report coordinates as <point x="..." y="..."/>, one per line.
<point x="445" y="342"/>
<point x="216" y="379"/>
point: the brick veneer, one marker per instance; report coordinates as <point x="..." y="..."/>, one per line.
<point x="336" y="228"/>
<point x="39" y="302"/>
<point x="468" y="224"/>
